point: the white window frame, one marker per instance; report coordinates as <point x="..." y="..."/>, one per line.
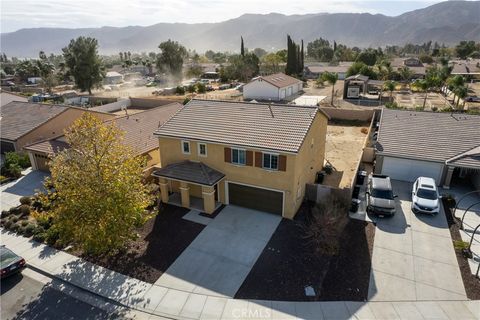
<point x="198" y="147"/>
<point x="270" y="154"/>
<point x="239" y="163"/>
<point x="189" y="147"/>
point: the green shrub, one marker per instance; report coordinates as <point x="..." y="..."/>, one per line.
<point x="20" y="229"/>
<point x="29" y="229"/>
<point x="14" y="210"/>
<point x="15" y="227"/>
<point x="434" y="109"/>
<point x="40" y="237"/>
<point x="14" y="219"/>
<point x="180" y="90"/>
<point x="8" y="224"/>
<point x="14" y="163"/>
<point x="24" y="210"/>
<point x="24" y="223"/>
<point x="38" y="229"/>
<point x="52" y="236"/>
<point x="26" y="200"/>
<point x="201" y="88"/>
<point x="5" y="213"/>
<point x="186" y="100"/>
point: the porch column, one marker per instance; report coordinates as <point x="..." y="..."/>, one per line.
<point x="163" y="189"/>
<point x="185" y="193"/>
<point x="208" y="195"/>
<point x="448" y="178"/>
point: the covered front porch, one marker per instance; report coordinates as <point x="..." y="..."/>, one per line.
<point x="463" y="169"/>
<point x="190" y="184"/>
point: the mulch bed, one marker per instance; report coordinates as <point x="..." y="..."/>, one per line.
<point x="470" y="282"/>
<point x="287" y="265"/>
<point x="162" y="239"/>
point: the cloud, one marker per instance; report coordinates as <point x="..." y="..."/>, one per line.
<point x="17" y="14"/>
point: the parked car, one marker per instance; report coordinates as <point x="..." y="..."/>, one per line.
<point x="472" y="99"/>
<point x="425" y="198"/>
<point x="224" y="87"/>
<point x="10" y="263"/>
<point x="380" y="197"/>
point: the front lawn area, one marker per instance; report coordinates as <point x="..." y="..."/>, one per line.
<point x="161" y="240"/>
<point x="289" y="263"/>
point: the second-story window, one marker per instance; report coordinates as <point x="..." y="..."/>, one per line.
<point x="270" y="161"/>
<point x="186" y="147"/>
<point x="202" y="149"/>
<point x="239" y="156"/>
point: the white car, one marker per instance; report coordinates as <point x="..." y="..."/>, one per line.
<point x="425" y="198"/>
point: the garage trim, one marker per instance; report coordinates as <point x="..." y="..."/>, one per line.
<point x="227" y="196"/>
<point x="440" y="173"/>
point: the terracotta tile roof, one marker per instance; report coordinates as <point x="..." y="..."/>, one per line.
<point x="258" y="125"/>
<point x="429" y="136"/>
<point x="278" y="80"/>
<point x="468" y="159"/>
<point x="48" y="147"/>
<point x="139" y="127"/>
<point x="19" y="118"/>
<point x="196" y="172"/>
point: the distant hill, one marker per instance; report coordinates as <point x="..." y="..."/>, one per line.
<point x="446" y="22"/>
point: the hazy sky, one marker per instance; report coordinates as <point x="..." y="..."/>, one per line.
<point x="18" y="14"/>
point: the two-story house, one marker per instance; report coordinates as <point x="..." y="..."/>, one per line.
<point x="254" y="155"/>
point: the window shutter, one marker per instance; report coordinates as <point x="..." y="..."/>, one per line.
<point x="282" y="163"/>
<point x="258" y="159"/>
<point x="228" y="154"/>
<point x="249" y="158"/>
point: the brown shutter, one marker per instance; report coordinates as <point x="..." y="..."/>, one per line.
<point x="228" y="154"/>
<point x="249" y="158"/>
<point x="258" y="159"/>
<point x="282" y="163"/>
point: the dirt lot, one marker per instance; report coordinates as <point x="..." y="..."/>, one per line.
<point x="412" y="100"/>
<point x="288" y="264"/>
<point x="343" y="150"/>
<point x="161" y="240"/>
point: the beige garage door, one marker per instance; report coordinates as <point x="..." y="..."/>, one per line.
<point x="42" y="162"/>
<point x="255" y="198"/>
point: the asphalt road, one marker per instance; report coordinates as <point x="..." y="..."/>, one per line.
<point x="25" y="298"/>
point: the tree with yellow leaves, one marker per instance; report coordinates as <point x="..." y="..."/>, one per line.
<point x="100" y="195"/>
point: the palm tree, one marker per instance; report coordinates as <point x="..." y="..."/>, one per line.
<point x="454" y="83"/>
<point x="461" y="92"/>
<point x="405" y="73"/>
<point x="331" y="77"/>
<point x="390" y="86"/>
<point x="422" y="85"/>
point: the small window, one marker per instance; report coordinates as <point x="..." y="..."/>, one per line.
<point x="239" y="156"/>
<point x="270" y="161"/>
<point x="202" y="149"/>
<point x="186" y="147"/>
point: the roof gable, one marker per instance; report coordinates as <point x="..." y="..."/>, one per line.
<point x="278" y="80"/>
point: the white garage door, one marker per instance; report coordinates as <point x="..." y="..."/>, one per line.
<point x="410" y="170"/>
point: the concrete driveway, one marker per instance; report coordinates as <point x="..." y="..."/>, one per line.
<point x="24" y="186"/>
<point x="220" y="258"/>
<point x="413" y="256"/>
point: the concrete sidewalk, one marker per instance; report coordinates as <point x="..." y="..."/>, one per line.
<point x="162" y="301"/>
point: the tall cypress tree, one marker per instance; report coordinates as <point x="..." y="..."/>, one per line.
<point x="242" y="48"/>
<point x="298" y="61"/>
<point x="302" y="58"/>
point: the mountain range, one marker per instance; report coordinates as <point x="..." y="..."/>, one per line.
<point x="446" y="22"/>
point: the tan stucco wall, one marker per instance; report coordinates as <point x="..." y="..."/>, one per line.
<point x="310" y="159"/>
<point x="297" y="173"/>
<point x="153" y="157"/>
<point x="55" y="126"/>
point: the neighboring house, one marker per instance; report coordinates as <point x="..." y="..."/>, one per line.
<point x="417" y="68"/>
<point x="274" y="87"/>
<point x="255" y="155"/>
<point x="442" y="146"/>
<point x="113" y="77"/>
<point x="315" y="71"/>
<point x="138" y="129"/>
<point x="7" y="97"/>
<point x="24" y="123"/>
<point x="466" y="68"/>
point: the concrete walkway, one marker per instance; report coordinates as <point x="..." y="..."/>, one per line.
<point x="178" y="304"/>
<point x="24" y="186"/>
<point x="221" y="256"/>
<point x="413" y="256"/>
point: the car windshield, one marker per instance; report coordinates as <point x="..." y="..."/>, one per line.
<point x="426" y="194"/>
<point x="384" y="194"/>
<point x="7" y="257"/>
